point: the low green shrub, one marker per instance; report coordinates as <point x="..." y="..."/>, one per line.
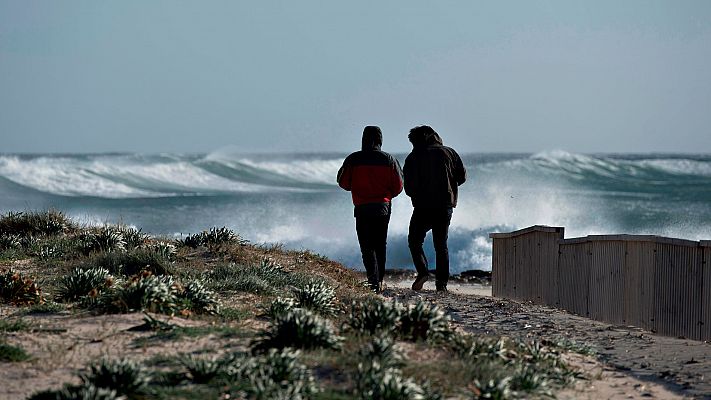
<point x="124" y="376"/>
<point x="197" y="298"/>
<point x="13" y="325"/>
<point x="317" y="297"/>
<point x="471" y="347"/>
<point x="265" y="278"/>
<point x="77" y="392"/>
<point x="424" y="321"/>
<point x="279" y="374"/>
<point x="202" y="369"/>
<point x="213" y="237"/>
<point x="280" y="306"/>
<point x="298" y="328"/>
<point x="18" y="289"/>
<point x="131" y="262"/>
<point x="81" y="282"/>
<point x="374" y="315"/>
<point x="142" y="293"/>
<point x="9" y="241"/>
<point x="163" y="249"/>
<point x="377" y="382"/>
<point x="493" y="389"/>
<point x="35" y="223"/>
<point x="160" y="294"/>
<point x="10" y="353"/>
<point x="381" y="349"/>
<point x="101" y="239"/>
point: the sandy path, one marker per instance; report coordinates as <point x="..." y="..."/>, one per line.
<point x="631" y="362"/>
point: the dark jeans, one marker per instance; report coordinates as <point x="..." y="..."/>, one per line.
<point x="437" y="220"/>
<point x="372" y="236"/>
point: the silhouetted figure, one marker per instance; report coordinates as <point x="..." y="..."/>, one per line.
<point x="373" y="177"/>
<point x="433" y="173"/>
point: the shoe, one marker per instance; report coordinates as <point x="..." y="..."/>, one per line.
<point x="442" y="289"/>
<point x="419" y="282"/>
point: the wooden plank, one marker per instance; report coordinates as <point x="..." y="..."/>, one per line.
<point x="519" y="273"/>
<point x="574" y="272"/>
<point x="495" y="267"/>
<point x="535" y="228"/>
<point x="638" y="281"/>
<point x="705" y="326"/>
<point x="549" y="269"/>
<point x="633" y="238"/>
<point x="606" y="285"/>
<point x="678" y="290"/>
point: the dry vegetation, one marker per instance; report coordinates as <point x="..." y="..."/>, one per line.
<point x="109" y="312"/>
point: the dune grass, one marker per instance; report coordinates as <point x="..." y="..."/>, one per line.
<point x="299" y="324"/>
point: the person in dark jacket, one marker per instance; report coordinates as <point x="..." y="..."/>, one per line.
<point x="433" y="173"/>
<point x="374" y="178"/>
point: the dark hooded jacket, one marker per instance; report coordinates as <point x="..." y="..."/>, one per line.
<point x="432" y="171"/>
<point x="371" y="175"/>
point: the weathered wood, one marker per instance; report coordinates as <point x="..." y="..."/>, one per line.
<point x="705" y="326"/>
<point x="574" y="275"/>
<point x="535" y="228"/>
<point x="639" y="284"/>
<point x="657" y="283"/>
<point x="606" y="282"/>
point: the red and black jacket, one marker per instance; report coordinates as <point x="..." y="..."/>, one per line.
<point x="372" y="176"/>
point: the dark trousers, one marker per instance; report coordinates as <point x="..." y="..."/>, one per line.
<point x="422" y="221"/>
<point x="372" y="236"/>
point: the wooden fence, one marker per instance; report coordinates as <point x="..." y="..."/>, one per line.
<point x="656" y="283"/>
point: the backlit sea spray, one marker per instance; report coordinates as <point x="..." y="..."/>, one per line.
<point x="293" y="198"/>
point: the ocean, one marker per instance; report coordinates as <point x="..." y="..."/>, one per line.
<point x="293" y="199"/>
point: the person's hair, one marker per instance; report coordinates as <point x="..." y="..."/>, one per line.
<point x="422" y="130"/>
<point x="419" y="134"/>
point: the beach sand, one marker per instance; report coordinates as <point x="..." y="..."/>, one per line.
<point x="629" y="362"/>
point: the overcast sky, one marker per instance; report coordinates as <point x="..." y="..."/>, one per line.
<point x="199" y="76"/>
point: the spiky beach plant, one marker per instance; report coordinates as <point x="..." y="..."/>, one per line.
<point x="80" y="282"/>
<point x="266" y="277"/>
<point x="163" y="249"/>
<point x="10" y="241"/>
<point x="77" y="392"/>
<point x="125" y="376"/>
<point x="382" y="350"/>
<point x="317" y="297"/>
<point x="280" y="375"/>
<point x="202" y="369"/>
<point x="131" y="262"/>
<point x="377" y="382"/>
<point x="298" y="328"/>
<point x="478" y="348"/>
<point x="132" y="237"/>
<point x="143" y="293"/>
<point x="424" y="321"/>
<point x="35" y="223"/>
<point x="200" y="299"/>
<point x="102" y="239"/>
<point x="213" y="237"/>
<point x="374" y="315"/>
<point x="493" y="389"/>
<point x="18" y="289"/>
<point x="280" y="306"/>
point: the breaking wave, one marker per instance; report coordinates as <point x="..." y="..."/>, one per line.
<point x="293" y="198"/>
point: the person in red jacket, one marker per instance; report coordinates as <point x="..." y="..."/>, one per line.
<point x="374" y="178"/>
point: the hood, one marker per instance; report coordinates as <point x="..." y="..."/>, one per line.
<point x="372" y="138"/>
<point x="423" y="136"/>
